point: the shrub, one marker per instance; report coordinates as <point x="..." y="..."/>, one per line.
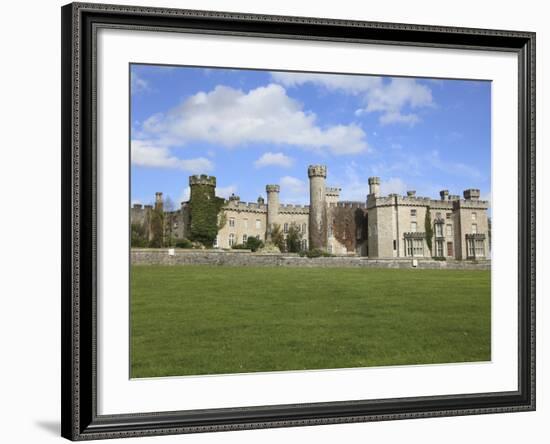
<point x="317" y="252"/>
<point x="438" y="258"/>
<point x="270" y="248"/>
<point x="184" y="243"/>
<point x="239" y="247"/>
<point x="254" y="244"/>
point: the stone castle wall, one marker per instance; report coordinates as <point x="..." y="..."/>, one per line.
<point x="246" y="259"/>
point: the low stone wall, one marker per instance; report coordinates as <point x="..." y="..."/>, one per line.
<point x="240" y="258"/>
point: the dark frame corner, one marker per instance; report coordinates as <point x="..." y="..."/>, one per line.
<point x="80" y="420"/>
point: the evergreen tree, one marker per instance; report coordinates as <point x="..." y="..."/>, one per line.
<point x="428" y="229"/>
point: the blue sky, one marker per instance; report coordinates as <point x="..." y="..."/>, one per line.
<point x="250" y="128"/>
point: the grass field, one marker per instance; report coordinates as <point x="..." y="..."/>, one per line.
<point x="190" y="320"/>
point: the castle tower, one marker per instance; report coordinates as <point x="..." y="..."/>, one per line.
<point x="201" y="198"/>
<point x="158" y="201"/>
<point x="202" y="184"/>
<point x="272" y="207"/>
<point x="317" y="206"/>
<point x="374" y="186"/>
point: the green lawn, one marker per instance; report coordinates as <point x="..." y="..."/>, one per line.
<point x="190" y="320"/>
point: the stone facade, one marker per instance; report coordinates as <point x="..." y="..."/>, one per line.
<point x="382" y="227"/>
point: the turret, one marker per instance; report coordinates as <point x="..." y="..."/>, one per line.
<point x="158" y="201"/>
<point x="471" y="194"/>
<point x="317" y="206"/>
<point x="374" y="186"/>
<point x="272" y="207"/>
<point x="444" y="194"/>
<point x="411" y="193"/>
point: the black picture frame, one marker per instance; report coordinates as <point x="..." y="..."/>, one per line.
<point x="80" y="420"/>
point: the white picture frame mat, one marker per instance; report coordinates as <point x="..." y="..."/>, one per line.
<point x="116" y="49"/>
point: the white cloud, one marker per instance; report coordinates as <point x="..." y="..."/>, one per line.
<point x="352" y="84"/>
<point x="274" y="159"/>
<point x="231" y="117"/>
<point x="225" y="192"/>
<point x="393" y="185"/>
<point x="454" y="168"/>
<point x="185" y="194"/>
<point x="293" y="190"/>
<point x="388" y="98"/>
<point x="138" y="84"/>
<point x="146" y="153"/>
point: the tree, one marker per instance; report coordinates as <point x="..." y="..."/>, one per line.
<point x="157" y="228"/>
<point x="277" y="237"/>
<point x="294" y="239"/>
<point x="428" y="229"/>
<point x="138" y="238"/>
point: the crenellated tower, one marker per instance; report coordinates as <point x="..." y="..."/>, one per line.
<point x="272" y="207"/>
<point x="317" y="206"/>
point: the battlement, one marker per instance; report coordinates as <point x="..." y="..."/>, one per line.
<point x="202" y="179"/>
<point x="348" y="204"/>
<point x="374" y="180"/>
<point x="293" y="209"/>
<point x="272" y="188"/>
<point x="451" y="202"/>
<point x="333" y="191"/>
<point x="234" y="197"/>
<point x="471" y="194"/>
<point x="245" y="206"/>
<point x="317" y="171"/>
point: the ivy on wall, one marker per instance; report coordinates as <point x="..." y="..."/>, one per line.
<point x="347" y="225"/>
<point x="204" y="208"/>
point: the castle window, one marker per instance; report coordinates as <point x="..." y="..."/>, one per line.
<point x="231" y="222"/>
<point x="471" y="247"/>
<point x="258" y="224"/>
<point x="245" y="238"/>
<point x="245" y="223"/>
<point x="474" y="228"/>
<point x="413" y="227"/>
<point x="304" y="244"/>
<point x="438" y="230"/>
<point x="304" y="227"/>
<point x="394" y="244"/>
<point x="414" y="247"/>
<point x="231" y="239"/>
<point x="215" y="244"/>
<point x="418" y="247"/>
<point x="285" y="228"/>
<point x="439" y="248"/>
<point x="480" y="250"/>
<point x="474" y="216"/>
<point x="448" y="215"/>
<point x="449" y="230"/>
<point x="413" y="213"/>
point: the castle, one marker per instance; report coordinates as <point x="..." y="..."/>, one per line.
<point x="391" y="226"/>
